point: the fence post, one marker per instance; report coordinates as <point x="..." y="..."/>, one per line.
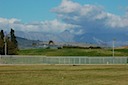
<point x="79" y="60"/>
<point x="64" y="60"/>
<point x="103" y="61"/>
<point x="88" y="61"/>
<point x="113" y="60"/>
<point x="74" y="61"/>
<point x="59" y="60"/>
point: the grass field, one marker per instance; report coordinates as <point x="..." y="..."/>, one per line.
<point x="64" y="75"/>
<point x="74" y="52"/>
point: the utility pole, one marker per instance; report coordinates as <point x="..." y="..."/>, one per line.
<point x="5" y="45"/>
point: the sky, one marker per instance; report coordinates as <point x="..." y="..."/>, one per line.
<point x="28" y="10"/>
<point x="56" y="16"/>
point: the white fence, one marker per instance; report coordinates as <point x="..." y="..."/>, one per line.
<point x="62" y="60"/>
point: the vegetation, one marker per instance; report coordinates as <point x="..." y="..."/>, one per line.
<point x="122" y="50"/>
<point x="64" y="75"/>
<point x="73" y="52"/>
<point x="13" y="38"/>
<point x="1" y="42"/>
<point x="11" y="42"/>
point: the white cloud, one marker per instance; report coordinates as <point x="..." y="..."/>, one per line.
<point x="90" y="18"/>
<point x="67" y="6"/>
<point x="13" y="20"/>
<point x="115" y="21"/>
<point x="54" y="26"/>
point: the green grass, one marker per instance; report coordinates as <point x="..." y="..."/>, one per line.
<point x="64" y="75"/>
<point x="73" y="52"/>
<point x="122" y="50"/>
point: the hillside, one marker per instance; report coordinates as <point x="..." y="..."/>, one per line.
<point x="25" y="43"/>
<point x="66" y="36"/>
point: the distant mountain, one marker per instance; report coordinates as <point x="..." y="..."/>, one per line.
<point x="104" y="39"/>
<point x="25" y="43"/>
<point x="62" y="37"/>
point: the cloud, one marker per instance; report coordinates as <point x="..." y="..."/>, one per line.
<point x="67" y="6"/>
<point x="7" y="21"/>
<point x="117" y="21"/>
<point x="54" y="26"/>
<point x="91" y="18"/>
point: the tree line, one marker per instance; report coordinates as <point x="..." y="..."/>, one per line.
<point x="8" y="43"/>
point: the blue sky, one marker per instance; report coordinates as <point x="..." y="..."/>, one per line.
<point x="40" y="10"/>
<point x="28" y="10"/>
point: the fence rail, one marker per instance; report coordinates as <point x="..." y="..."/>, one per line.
<point x="10" y="59"/>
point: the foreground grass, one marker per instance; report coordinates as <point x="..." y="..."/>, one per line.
<point x="74" y="52"/>
<point x="64" y="75"/>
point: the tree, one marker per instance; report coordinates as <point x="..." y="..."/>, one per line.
<point x="2" y="35"/>
<point x="1" y="42"/>
<point x="51" y="42"/>
<point x="11" y="50"/>
<point x="12" y="44"/>
<point x="1" y="47"/>
<point x="13" y="38"/>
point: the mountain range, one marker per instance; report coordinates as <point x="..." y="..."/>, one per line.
<point x="105" y="39"/>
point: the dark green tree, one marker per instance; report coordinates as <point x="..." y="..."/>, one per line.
<point x="1" y="42"/>
<point x="12" y="50"/>
<point x="13" y="38"/>
<point x="12" y="43"/>
<point x="2" y="35"/>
